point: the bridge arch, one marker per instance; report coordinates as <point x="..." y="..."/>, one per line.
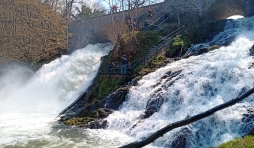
<point x="222" y="9"/>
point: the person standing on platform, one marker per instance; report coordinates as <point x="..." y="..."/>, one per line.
<point x="124" y="64"/>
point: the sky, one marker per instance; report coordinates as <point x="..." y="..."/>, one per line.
<point x="104" y="3"/>
<point x="235" y="17"/>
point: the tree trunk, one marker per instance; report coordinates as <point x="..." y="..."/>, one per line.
<point x="187" y="121"/>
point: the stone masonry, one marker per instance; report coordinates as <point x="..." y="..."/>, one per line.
<point x="191" y="12"/>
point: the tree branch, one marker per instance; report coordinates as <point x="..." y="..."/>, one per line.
<point x="187" y="121"/>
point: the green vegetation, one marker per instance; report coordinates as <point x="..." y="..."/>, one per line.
<point x="157" y="62"/>
<point x="180" y="44"/>
<point x="135" y="43"/>
<point x="146" y="39"/>
<point x="87" y="11"/>
<point x="104" y="86"/>
<point x="245" y="142"/>
<point x="132" y="44"/>
<point x="79" y="121"/>
<point x="213" y="47"/>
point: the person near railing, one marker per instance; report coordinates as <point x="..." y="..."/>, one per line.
<point x="146" y="25"/>
<point x="124" y="65"/>
<point x="129" y="67"/>
<point x="110" y="65"/>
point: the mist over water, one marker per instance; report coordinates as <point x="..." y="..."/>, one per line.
<point x="30" y="102"/>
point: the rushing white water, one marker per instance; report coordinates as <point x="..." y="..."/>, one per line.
<point x="30" y="102"/>
<point x="205" y="81"/>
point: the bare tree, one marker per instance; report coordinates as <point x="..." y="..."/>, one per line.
<point x="88" y="9"/>
<point x="30" y="31"/>
<point x="128" y="10"/>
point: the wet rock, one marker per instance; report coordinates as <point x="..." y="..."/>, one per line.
<point x="248" y="126"/>
<point x="98" y="113"/>
<point x="88" y="119"/>
<point x="180" y="140"/>
<point x="114" y="100"/>
<point x="78" y="121"/>
<point x="166" y="75"/>
<point x="153" y="106"/>
<point x="149" y="112"/>
<point x="104" y="112"/>
<point x="248" y="117"/>
<point x="75" y="108"/>
<point x="250" y="110"/>
<point x="251" y="132"/>
<point x="204" y="50"/>
<point x="251" y="50"/>
<point x="97" y="124"/>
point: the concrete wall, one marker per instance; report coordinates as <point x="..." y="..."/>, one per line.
<point x="191" y="12"/>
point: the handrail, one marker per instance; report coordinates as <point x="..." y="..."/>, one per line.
<point x="134" y="66"/>
<point x="171" y="34"/>
<point x="159" y="44"/>
<point x="154" y="21"/>
<point x="161" y="17"/>
<point x="144" y="56"/>
<point x="164" y="20"/>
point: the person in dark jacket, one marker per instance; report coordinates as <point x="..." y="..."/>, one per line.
<point x="124" y="65"/>
<point x="110" y="65"/>
<point x="146" y="25"/>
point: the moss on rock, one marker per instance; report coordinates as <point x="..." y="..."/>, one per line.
<point x="81" y="121"/>
<point x="180" y="44"/>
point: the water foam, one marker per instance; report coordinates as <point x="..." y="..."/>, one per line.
<point x="205" y="81"/>
<point x="30" y="102"/>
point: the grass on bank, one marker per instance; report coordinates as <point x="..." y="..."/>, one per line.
<point x="245" y="142"/>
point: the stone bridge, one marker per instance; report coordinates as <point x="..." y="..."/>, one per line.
<point x="190" y="12"/>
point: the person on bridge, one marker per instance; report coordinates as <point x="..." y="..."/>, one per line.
<point x="114" y="8"/>
<point x="134" y="26"/>
<point x="149" y="11"/>
<point x="124" y="65"/>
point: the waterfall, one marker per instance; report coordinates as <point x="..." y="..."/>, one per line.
<point x="30" y="102"/>
<point x="191" y="86"/>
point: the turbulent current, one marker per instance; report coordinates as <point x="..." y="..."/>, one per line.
<point x="30" y="102"/>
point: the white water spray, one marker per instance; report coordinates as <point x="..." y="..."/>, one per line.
<point x="205" y="81"/>
<point x="30" y="103"/>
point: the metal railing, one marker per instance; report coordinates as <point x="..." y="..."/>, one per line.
<point x="143" y="58"/>
<point x="161" y="20"/>
<point x="154" y="50"/>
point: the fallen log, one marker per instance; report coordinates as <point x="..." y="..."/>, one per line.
<point x="187" y="121"/>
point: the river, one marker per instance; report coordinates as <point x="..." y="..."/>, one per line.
<point x="30" y="101"/>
